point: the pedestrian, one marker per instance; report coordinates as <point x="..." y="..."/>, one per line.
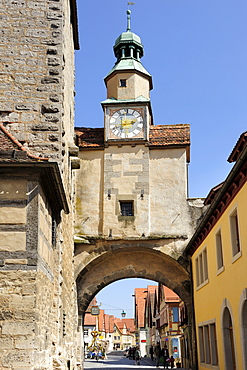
<point x="157" y="352"/>
<point x="165" y="355"/>
<point x="137" y="356"/>
<point x="172" y="361"/>
<point x="151" y="352"/>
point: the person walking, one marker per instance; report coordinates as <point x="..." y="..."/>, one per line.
<point x="157" y="352"/>
<point x="165" y="355"/>
<point x="137" y="356"/>
<point x="172" y="361"/>
<point x="151" y="352"/>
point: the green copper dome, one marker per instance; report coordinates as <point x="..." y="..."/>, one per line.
<point x="128" y="44"/>
<point x="128" y="50"/>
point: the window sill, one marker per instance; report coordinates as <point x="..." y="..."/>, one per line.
<point x="237" y="256"/>
<point x="220" y="270"/>
<point x="126" y="218"/>
<point x="202" y="285"/>
<point x="209" y="366"/>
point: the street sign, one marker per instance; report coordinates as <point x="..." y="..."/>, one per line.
<point x="95" y="310"/>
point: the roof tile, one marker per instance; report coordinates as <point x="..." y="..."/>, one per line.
<point x="11" y="150"/>
<point x="159" y="135"/>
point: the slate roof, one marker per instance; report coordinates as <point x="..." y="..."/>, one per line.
<point x="159" y="136"/>
<point x="11" y="150"/>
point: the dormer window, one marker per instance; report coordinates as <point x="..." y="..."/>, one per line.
<point x="123" y="83"/>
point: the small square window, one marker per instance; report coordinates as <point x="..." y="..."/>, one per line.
<point x="126" y="208"/>
<point x="123" y="83"/>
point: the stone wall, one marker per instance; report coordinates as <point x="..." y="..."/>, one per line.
<point x="38" y="309"/>
<point x="36" y="54"/>
<point x="154" y="179"/>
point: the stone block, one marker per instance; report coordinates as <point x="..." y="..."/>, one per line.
<point x="19" y="301"/>
<point x="12" y="241"/>
<point x="15" y="261"/>
<point x="54" y="62"/>
<point x="12" y="215"/>
<point x="6" y="343"/>
<point x="6" y="315"/>
<point x="18" y="358"/>
<point x="4" y="300"/>
<point x="50" y="80"/>
<point x="24" y="342"/>
<point x="17" y="327"/>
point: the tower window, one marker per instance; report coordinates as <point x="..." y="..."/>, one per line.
<point x="126" y="208"/>
<point x="123" y="83"/>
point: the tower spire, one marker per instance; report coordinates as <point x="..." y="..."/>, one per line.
<point x="128" y="20"/>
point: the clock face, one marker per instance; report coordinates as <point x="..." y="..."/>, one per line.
<point x="126" y="123"/>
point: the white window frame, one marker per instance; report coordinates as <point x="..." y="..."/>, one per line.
<point x="219" y="251"/>
<point x="235" y="234"/>
<point x="201" y="268"/>
<point x="208" y="347"/>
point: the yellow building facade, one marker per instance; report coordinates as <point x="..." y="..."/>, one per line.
<point x="218" y="252"/>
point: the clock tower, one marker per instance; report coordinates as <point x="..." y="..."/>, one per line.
<point x="134" y="172"/>
<point x="127" y="109"/>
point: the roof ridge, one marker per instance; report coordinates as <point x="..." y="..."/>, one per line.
<point x="19" y="145"/>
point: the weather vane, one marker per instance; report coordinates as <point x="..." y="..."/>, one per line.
<point x="128" y="16"/>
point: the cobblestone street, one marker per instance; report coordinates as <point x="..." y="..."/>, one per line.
<point x="118" y="361"/>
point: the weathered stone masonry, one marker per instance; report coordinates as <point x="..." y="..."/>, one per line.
<point x="38" y="310"/>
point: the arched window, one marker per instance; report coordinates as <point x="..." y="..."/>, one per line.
<point x="228" y="340"/>
<point x="243" y="321"/>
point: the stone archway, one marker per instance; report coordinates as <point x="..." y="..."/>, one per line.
<point x="109" y="261"/>
<point x="135" y="262"/>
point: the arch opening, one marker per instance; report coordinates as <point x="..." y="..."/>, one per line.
<point x="109" y="266"/>
<point x="131" y="263"/>
<point x="243" y="317"/>
<point x="228" y="340"/>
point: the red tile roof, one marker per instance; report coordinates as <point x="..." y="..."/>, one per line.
<point x="89" y="319"/>
<point x="130" y="325"/>
<point x="88" y="137"/>
<point x="169" y="135"/>
<point x="11" y="150"/>
<point x="238" y="148"/>
<point x="212" y="194"/>
<point x="170" y="296"/>
<point x="140" y="302"/>
<point x="159" y="136"/>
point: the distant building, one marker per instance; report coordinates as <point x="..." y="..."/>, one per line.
<point x="218" y="252"/>
<point x="150" y="316"/>
<point x="124" y="334"/>
<point x="168" y="322"/>
<point x="113" y="333"/>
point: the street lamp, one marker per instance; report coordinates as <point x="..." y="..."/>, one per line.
<point x="123" y="314"/>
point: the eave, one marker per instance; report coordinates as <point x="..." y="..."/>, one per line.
<point x="74" y="21"/>
<point x="50" y="178"/>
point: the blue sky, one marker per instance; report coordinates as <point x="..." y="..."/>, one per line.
<point x="196" y="51"/>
